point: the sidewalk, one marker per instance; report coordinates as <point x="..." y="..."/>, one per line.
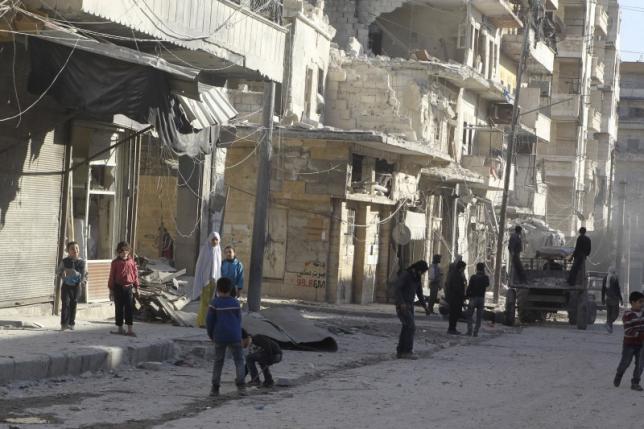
<point x="34" y="354"/>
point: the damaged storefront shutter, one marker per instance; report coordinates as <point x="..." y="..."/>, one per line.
<point x="29" y="220"/>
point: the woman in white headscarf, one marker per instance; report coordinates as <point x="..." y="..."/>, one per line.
<point x="207" y="271"/>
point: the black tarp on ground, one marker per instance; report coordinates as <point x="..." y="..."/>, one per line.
<point x="104" y="86"/>
<point x="287" y="326"/>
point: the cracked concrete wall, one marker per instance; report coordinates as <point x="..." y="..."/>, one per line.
<point x="391" y="97"/>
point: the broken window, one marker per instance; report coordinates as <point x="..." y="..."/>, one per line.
<point x="636" y="112"/>
<point x="356" y="168"/>
<point x="461" y="38"/>
<point x="321" y="82"/>
<point x="384" y="177"/>
<point x="436" y="125"/>
<point x="375" y="39"/>
<point x="468" y="137"/>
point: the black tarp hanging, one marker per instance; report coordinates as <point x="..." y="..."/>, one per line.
<point x="104" y="86"/>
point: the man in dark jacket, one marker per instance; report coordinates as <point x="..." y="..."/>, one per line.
<point x="479" y="282"/>
<point x="263" y="351"/>
<point x="407" y="285"/>
<point x="612" y="297"/>
<point x="582" y="251"/>
<point x="515" y="246"/>
<point x="455" y="294"/>
<point x="435" y="281"/>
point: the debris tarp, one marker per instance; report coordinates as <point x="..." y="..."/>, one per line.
<point x="288" y="327"/>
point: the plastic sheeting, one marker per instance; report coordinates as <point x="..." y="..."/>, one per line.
<point x="102" y="86"/>
<point x="287" y="326"/>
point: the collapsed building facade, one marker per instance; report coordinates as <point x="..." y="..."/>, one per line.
<point x="391" y="143"/>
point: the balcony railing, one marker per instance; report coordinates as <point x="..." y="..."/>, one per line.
<point x="269" y="9"/>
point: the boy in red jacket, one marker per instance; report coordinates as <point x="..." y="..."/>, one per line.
<point x="124" y="285"/>
<point x="633" y="326"/>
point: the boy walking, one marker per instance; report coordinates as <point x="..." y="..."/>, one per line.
<point x="223" y="323"/>
<point x="633" y="325"/>
<point x="264" y="352"/>
<point x="124" y="285"/>
<point x="72" y="271"/>
<point x="479" y="282"/>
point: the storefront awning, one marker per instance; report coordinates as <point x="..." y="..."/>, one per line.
<point x="183" y="80"/>
<point x="213" y="107"/>
<point x="416" y="222"/>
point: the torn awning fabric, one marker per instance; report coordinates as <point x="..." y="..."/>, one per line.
<point x="104" y="86"/>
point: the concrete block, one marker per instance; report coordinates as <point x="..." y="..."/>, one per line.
<point x="7" y="366"/>
<point x="34" y="368"/>
<point x="57" y="365"/>
<point x="93" y="360"/>
<point x="151" y="366"/>
<point x="337" y="75"/>
<point x="73" y="364"/>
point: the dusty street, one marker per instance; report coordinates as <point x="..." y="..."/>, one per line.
<point x="551" y="375"/>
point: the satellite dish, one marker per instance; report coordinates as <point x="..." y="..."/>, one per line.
<point x="401" y="234"/>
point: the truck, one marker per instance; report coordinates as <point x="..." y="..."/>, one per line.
<point x="546" y="291"/>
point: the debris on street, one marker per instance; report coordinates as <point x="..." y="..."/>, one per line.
<point x="160" y="297"/>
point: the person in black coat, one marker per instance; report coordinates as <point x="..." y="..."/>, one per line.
<point x="582" y="251"/>
<point x="407" y="285"/>
<point x="455" y="294"/>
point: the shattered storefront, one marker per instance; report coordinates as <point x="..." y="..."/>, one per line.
<point x="74" y="163"/>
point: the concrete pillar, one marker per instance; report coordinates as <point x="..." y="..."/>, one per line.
<point x="189" y="217"/>
<point x="359" y="254"/>
<point x="384" y="246"/>
<point x="333" y="257"/>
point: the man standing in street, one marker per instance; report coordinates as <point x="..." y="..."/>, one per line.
<point x="612" y="297"/>
<point x="515" y="246"/>
<point x="582" y="251"/>
<point x="479" y="282"/>
<point x="455" y="294"/>
<point x="407" y="285"/>
<point x="435" y="281"/>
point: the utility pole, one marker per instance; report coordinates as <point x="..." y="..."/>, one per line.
<point x="262" y="197"/>
<point x="510" y="154"/>
<point x="619" y="251"/>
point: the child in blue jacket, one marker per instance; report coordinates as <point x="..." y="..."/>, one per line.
<point x="232" y="268"/>
<point x="224" y="329"/>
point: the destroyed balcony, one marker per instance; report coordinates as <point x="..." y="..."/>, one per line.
<point x="565" y="107"/>
<point x="490" y="169"/>
<point x="500" y="12"/>
<point x="594" y="120"/>
<point x="571" y="47"/>
<point x="601" y="19"/>
<point x="597" y="73"/>
<point x="541" y="59"/>
<point x="533" y="114"/>
<point x="217" y="34"/>
<point x="559" y="167"/>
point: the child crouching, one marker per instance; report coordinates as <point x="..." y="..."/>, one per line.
<point x="264" y="352"/>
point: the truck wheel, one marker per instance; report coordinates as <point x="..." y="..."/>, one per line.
<point x="582" y="311"/>
<point x="592" y="312"/>
<point x="572" y="308"/>
<point x="522" y="303"/>
<point x="510" y="307"/>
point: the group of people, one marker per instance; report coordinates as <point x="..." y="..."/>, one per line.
<point x="408" y="286"/>
<point x="218" y="284"/>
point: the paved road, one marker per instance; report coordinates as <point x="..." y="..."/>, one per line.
<point x="550" y="376"/>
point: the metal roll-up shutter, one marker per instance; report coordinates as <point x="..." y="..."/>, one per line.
<point x="30" y="206"/>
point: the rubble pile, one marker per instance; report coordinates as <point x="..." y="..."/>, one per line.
<point x="160" y="297"/>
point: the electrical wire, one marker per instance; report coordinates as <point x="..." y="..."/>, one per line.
<point x="41" y="96"/>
